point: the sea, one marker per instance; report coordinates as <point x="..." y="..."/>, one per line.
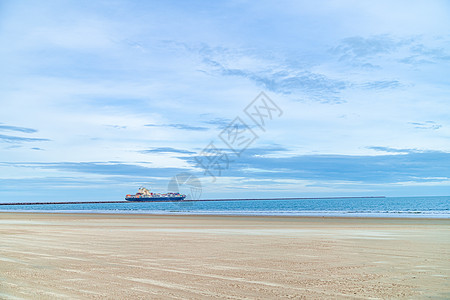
<point x="395" y="207"/>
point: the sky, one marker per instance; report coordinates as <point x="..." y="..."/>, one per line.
<point x="100" y="97"/>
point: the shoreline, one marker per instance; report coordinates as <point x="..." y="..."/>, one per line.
<point x="299" y="219"/>
<point x="388" y="216"/>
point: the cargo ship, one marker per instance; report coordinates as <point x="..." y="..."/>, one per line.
<point x="144" y="194"/>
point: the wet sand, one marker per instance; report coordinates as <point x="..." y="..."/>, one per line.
<point x="95" y="256"/>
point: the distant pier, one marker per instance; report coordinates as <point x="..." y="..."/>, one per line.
<point x="200" y="200"/>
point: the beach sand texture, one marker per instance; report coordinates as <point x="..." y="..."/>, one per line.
<point x="112" y="256"/>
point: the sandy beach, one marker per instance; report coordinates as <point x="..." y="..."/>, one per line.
<point x="95" y="256"/>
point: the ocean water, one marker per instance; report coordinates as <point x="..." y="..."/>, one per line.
<point x="417" y="207"/>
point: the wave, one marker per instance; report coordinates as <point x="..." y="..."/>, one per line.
<point x="380" y="214"/>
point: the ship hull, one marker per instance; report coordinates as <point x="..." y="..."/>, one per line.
<point x="154" y="199"/>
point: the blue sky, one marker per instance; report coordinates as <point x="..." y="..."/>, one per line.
<point x="100" y="97"/>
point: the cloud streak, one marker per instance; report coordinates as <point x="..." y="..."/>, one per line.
<point x="179" y="126"/>
<point x="166" y="150"/>
<point x="17" y="129"/>
<point x="101" y="168"/>
<point x="426" y="125"/>
<point x="19" y="139"/>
